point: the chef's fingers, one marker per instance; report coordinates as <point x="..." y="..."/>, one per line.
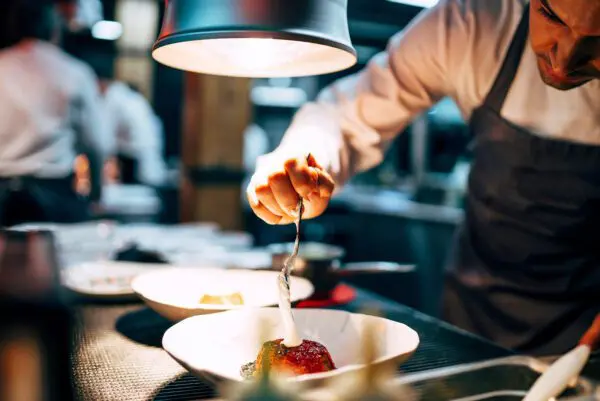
<point x="303" y="177"/>
<point x="286" y="220"/>
<point x="265" y="196"/>
<point x="270" y="218"/>
<point x="259" y="209"/>
<point x="264" y="214"/>
<point x="314" y="205"/>
<point x="312" y="162"/>
<point x="326" y="184"/>
<point x="284" y="193"/>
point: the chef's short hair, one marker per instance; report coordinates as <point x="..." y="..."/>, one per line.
<point x="26" y="19"/>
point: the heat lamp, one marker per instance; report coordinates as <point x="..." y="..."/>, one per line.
<point x="256" y="38"/>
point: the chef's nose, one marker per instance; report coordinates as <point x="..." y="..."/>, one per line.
<point x="569" y="55"/>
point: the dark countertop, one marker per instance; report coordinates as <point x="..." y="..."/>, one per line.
<point x="119" y="354"/>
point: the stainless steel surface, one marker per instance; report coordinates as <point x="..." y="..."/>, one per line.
<point x="309" y="251"/>
<point x="419" y="148"/>
<point x="373" y="268"/>
<point x="397" y="204"/>
<point x="314" y="262"/>
<point x="321" y="264"/>
<point x="500" y="379"/>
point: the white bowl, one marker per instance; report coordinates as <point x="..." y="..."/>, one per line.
<point x="216" y="346"/>
<point x="175" y="292"/>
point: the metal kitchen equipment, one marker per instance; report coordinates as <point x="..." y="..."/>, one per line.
<point x="322" y="265"/>
<point x="256" y="38"/>
<point x="499" y="379"/>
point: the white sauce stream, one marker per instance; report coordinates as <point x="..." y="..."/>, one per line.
<point x="291" y="337"/>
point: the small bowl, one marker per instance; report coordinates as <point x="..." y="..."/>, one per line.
<point x="216" y="346"/>
<point x="175" y="293"/>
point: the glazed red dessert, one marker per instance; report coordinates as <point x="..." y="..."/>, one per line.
<point x="308" y="357"/>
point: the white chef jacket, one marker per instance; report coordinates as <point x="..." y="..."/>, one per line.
<point x="454" y="49"/>
<point x="49" y="106"/>
<point x="138" y="132"/>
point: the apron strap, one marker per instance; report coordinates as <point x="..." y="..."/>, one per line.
<point x="502" y="84"/>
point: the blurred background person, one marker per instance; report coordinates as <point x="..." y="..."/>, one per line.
<point x="138" y="134"/>
<point x="135" y="129"/>
<point x="50" y="111"/>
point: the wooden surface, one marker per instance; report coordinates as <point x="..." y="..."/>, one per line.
<point x="217" y="111"/>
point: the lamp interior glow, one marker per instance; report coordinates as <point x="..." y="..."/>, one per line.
<point x="254" y="57"/>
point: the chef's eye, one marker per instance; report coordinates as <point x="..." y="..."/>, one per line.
<point x="549" y="15"/>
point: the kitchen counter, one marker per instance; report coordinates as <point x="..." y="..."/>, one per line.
<point x="395" y="203"/>
<point x="119" y="354"/>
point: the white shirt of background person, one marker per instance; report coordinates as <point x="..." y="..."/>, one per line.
<point x="138" y="132"/>
<point x="50" y="110"/>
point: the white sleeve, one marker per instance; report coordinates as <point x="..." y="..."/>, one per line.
<point x="353" y="121"/>
<point x="93" y="134"/>
<point x="145" y="133"/>
<point x="153" y="169"/>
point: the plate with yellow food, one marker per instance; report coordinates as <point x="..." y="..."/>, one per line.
<point x="177" y="293"/>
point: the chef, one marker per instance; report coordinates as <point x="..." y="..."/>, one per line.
<point x="526" y="268"/>
<point x="138" y="133"/>
<point x="50" y="111"/>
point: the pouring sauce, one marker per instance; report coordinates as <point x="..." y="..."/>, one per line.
<point x="291" y="337"/>
<point x="291" y="353"/>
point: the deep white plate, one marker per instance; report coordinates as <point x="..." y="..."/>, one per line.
<point x="175" y="293"/>
<point x="216" y="346"/>
<point x="104" y="279"/>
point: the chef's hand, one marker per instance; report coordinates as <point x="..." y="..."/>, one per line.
<point x="278" y="184"/>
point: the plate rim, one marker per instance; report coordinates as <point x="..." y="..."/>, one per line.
<point x="135" y="283"/>
<point x="127" y="293"/>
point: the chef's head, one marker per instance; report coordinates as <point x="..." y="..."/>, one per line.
<point x="565" y="35"/>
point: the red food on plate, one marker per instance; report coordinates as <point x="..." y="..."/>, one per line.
<point x="308" y="357"/>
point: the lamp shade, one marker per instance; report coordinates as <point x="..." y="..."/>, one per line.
<point x="256" y="38"/>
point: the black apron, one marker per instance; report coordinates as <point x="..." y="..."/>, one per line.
<point x="40" y="200"/>
<point x="128" y="169"/>
<point x="526" y="268"/>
